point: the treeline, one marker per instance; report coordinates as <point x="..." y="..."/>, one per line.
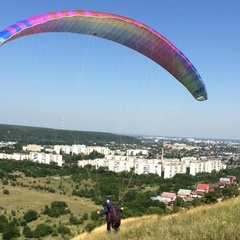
<point x="47" y="136"/>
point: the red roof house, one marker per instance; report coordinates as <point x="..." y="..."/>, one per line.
<point x="203" y="187"/>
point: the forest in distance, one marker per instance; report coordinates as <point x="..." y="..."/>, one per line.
<point x="49" y="136"/>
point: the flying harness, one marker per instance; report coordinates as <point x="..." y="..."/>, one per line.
<point x="113" y="217"/>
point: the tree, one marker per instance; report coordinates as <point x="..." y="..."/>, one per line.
<point x="42" y="230"/>
<point x="30" y="215"/>
<point x="230" y="191"/>
<point x="211" y="197"/>
<point x="178" y="203"/>
<point x="10" y="232"/>
<point x="196" y="202"/>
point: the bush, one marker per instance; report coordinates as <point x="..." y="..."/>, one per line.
<point x="94" y="216"/>
<point x="13" y="213"/>
<point x="27" y="232"/>
<point x="42" y="230"/>
<point x="23" y="223"/>
<point x="3" y="223"/>
<point x="74" y="221"/>
<point x="155" y="210"/>
<point x="5" y="191"/>
<point x="230" y="191"/>
<point x="57" y="208"/>
<point x="89" y="227"/>
<point x="196" y="202"/>
<point x="13" y="184"/>
<point x="5" y="182"/>
<point x="59" y="204"/>
<point x="85" y="216"/>
<point x="30" y="215"/>
<point x="10" y="232"/>
<point x="14" y="222"/>
<point x="211" y="197"/>
<point x="63" y="230"/>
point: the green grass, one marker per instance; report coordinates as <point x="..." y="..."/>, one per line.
<point x="21" y="199"/>
<point x="213" y="222"/>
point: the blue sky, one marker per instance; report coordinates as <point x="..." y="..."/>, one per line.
<point x="98" y="85"/>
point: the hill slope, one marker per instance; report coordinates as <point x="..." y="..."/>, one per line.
<point x="39" y="135"/>
<point x="219" y="221"/>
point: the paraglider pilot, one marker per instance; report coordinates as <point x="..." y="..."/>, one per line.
<point x="113" y="217"/>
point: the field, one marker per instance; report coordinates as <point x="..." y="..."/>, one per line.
<point x="21" y="199"/>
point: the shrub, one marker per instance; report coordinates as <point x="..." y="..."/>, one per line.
<point x="42" y="230"/>
<point x="23" y="223"/>
<point x="85" y="216"/>
<point x="155" y="210"/>
<point x="75" y="221"/>
<point x="10" y="232"/>
<point x="57" y="208"/>
<point x="5" y="182"/>
<point x="27" y="232"/>
<point x="14" y="222"/>
<point x="63" y="230"/>
<point x="3" y="223"/>
<point x="89" y="227"/>
<point x="5" y="191"/>
<point x="94" y="216"/>
<point x="13" y="213"/>
<point x="30" y="215"/>
<point x="13" y="184"/>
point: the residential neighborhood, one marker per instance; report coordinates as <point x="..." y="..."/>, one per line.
<point x="153" y="177"/>
<point x="202" y="188"/>
<point x="165" y="157"/>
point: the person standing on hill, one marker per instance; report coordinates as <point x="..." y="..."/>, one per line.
<point x="113" y="216"/>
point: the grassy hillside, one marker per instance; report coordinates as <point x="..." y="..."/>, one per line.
<point x="54" y="136"/>
<point x="22" y="199"/>
<point x="214" y="222"/>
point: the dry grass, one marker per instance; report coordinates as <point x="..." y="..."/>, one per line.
<point x="127" y="225"/>
<point x="22" y="199"/>
<point x="214" y="222"/>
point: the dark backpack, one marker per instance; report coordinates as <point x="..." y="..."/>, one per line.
<point x="113" y="216"/>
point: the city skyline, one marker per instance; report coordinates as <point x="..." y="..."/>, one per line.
<point x="98" y="85"/>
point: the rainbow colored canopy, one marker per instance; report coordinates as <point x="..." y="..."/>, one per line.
<point x="125" y="31"/>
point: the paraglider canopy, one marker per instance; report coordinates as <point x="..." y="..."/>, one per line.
<point x="125" y="31"/>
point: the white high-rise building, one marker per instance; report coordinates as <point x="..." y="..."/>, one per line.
<point x="171" y="169"/>
<point x="134" y="152"/>
<point x="46" y="158"/>
<point x="206" y="166"/>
